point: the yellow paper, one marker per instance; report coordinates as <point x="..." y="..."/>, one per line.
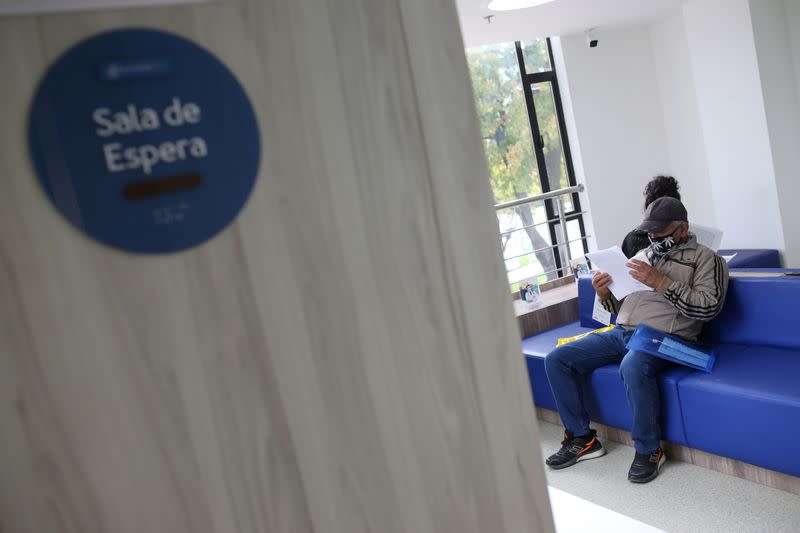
<point x="582" y="335"/>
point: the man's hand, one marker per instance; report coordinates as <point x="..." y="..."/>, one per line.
<point x="643" y="272"/>
<point x="600" y="282"/>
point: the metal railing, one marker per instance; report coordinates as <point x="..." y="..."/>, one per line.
<point x="558" y="197"/>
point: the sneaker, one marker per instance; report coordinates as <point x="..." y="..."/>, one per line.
<point x="645" y="466"/>
<point x="575" y="449"/>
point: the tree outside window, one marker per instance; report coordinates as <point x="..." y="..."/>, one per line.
<point x="510" y="123"/>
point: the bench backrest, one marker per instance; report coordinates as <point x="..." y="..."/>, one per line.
<point x="759" y="311"/>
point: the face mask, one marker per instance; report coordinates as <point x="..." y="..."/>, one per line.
<point x="661" y="245"/>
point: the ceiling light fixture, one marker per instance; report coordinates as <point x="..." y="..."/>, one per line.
<point x="508" y="5"/>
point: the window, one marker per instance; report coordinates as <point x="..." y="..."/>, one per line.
<point x="527" y="151"/>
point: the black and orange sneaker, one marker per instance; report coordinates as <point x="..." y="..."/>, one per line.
<point x="645" y="466"/>
<point x="575" y="449"/>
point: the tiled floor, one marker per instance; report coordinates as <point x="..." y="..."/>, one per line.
<point x="684" y="498"/>
<point x="572" y="514"/>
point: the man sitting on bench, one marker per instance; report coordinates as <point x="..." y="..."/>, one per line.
<point x="690" y="282"/>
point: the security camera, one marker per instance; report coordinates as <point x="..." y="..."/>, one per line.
<point x="591" y="38"/>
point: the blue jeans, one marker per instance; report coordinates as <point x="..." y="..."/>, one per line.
<point x="568" y="366"/>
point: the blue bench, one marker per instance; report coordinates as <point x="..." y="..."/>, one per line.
<point x="747" y="408"/>
<point x="753" y="258"/>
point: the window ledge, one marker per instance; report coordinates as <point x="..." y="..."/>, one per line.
<point x="556" y="307"/>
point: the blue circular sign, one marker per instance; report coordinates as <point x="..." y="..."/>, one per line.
<point x="144" y="140"/>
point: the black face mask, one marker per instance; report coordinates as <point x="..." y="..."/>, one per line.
<point x="662" y="245"/>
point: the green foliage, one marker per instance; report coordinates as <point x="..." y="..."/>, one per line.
<point x="536" y="56"/>
<point x="506" y="132"/>
<point x="548" y="128"/>
<point x="504" y="121"/>
<point x="503" y="115"/>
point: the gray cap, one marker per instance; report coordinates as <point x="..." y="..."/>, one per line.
<point x="661" y="213"/>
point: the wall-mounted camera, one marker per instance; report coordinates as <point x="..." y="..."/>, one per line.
<point x="591" y="38"/>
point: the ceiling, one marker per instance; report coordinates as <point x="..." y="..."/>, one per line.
<point x="561" y="17"/>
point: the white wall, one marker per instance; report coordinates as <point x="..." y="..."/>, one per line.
<point x="777" y="67"/>
<point x="793" y="21"/>
<point x="731" y="110"/>
<point x="684" y="132"/>
<point x="708" y="94"/>
<point x="573" y="138"/>
<point x="618" y="123"/>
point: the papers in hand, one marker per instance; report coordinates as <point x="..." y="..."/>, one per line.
<point x="599" y="313"/>
<point x="612" y="261"/>
<point x="641" y="255"/>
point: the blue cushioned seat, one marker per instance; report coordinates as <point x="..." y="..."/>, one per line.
<point x="544" y="342"/>
<point x="748" y="408"/>
<point x="751" y="258"/>
<point x="753" y="393"/>
<point x="535" y="349"/>
<point x="758" y="312"/>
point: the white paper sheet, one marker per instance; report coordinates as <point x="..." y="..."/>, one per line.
<point x="642" y="256"/>
<point x="599" y="312"/>
<point x="613" y="261"/>
<point x="707" y="236"/>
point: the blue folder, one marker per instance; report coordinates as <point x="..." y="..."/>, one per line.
<point x="657" y="343"/>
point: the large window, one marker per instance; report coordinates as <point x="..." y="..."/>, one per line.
<point x="522" y="126"/>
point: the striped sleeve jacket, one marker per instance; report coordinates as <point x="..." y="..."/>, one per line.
<point x="692" y="292"/>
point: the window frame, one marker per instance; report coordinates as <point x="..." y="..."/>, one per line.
<point x="528" y="79"/>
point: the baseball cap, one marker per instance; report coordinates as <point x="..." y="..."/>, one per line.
<point x="661" y="213"/>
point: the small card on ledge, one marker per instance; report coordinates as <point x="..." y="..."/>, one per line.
<point x="529" y="292"/>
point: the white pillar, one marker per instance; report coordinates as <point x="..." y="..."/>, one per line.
<point x="776" y="30"/>
<point x="730" y="102"/>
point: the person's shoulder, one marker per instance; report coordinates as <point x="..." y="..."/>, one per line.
<point x="694" y="252"/>
<point x="702" y="248"/>
<point x="707" y="255"/>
